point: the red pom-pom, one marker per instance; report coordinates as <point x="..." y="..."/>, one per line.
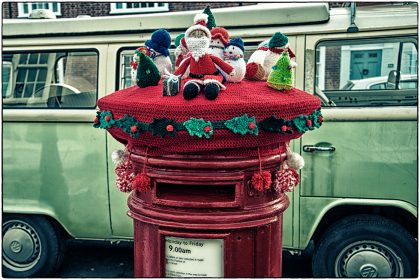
<point x="308" y="123"/>
<point x="141" y="182"/>
<point x="108" y="118"/>
<point x="261" y="180"/>
<point x="169" y="128"/>
<point x="286" y="180"/>
<point x="251" y="125"/>
<point x="133" y="129"/>
<point x="283" y="128"/>
<point x="207" y="129"/>
<point x="124" y="176"/>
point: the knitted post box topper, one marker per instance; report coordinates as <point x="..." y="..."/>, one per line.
<point x="201" y="64"/>
<point x="159" y="45"/>
<point x="234" y="55"/>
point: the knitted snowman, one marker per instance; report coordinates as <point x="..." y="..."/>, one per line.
<point x="199" y="68"/>
<point x="277" y="45"/>
<point x="219" y="39"/>
<point x="158" y="45"/>
<point x="234" y="55"/>
<point x="181" y="50"/>
<point x="254" y="67"/>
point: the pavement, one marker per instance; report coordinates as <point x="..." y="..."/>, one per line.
<point x="105" y="260"/>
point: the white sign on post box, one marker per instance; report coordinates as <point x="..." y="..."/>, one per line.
<point x="186" y="257"/>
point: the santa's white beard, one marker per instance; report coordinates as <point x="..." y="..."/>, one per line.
<point x="198" y="46"/>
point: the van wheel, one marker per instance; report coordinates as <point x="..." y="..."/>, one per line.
<point x="365" y="246"/>
<point x="32" y="247"/>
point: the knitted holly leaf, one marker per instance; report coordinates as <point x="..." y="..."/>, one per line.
<point x="274" y="124"/>
<point x="130" y="125"/>
<point x="106" y="120"/>
<point x="199" y="127"/>
<point x="281" y="77"/>
<point x="243" y="125"/>
<point x="211" y="21"/>
<point x="163" y="127"/>
<point x="317" y="118"/>
<point x="147" y="72"/>
<point x="303" y="123"/>
<point x="96" y="121"/>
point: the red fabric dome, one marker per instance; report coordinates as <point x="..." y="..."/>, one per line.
<point x="253" y="98"/>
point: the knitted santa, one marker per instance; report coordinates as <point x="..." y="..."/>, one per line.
<point x="181" y="50"/>
<point x="158" y="46"/>
<point x="201" y="64"/>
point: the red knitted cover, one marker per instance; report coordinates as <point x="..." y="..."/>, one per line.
<point x="254" y="98"/>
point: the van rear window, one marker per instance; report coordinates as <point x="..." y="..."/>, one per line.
<point x="58" y="79"/>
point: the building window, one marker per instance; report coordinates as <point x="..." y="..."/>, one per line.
<point x="138" y="7"/>
<point x="24" y="9"/>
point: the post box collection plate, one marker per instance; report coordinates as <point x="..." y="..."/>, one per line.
<point x="190" y="257"/>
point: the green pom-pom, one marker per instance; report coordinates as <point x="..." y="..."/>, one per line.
<point x="281" y="77"/>
<point x="178" y="39"/>
<point x="199" y="127"/>
<point x="147" y="72"/>
<point x="243" y="125"/>
<point x="211" y="22"/>
<point x="278" y="40"/>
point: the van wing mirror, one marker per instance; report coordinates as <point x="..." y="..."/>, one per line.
<point x="393" y="79"/>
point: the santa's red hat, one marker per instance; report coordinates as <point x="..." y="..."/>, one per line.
<point x="200" y="21"/>
<point x="221" y="34"/>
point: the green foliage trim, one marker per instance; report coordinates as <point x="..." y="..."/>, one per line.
<point x="202" y="128"/>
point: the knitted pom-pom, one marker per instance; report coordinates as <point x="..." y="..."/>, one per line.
<point x="201" y="18"/>
<point x="286" y="180"/>
<point x="124" y="176"/>
<point x="261" y="180"/>
<point x="295" y="161"/>
<point x="141" y="182"/>
<point x="118" y="156"/>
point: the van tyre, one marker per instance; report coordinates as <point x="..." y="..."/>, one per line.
<point x="32" y="246"/>
<point x="365" y="246"/>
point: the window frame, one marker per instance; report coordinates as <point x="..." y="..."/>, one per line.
<point x="21" y="8"/>
<point x="411" y="38"/>
<point x="140" y="10"/>
<point x="56" y="51"/>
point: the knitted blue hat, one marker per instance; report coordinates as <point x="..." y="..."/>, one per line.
<point x="237" y="42"/>
<point x="160" y="41"/>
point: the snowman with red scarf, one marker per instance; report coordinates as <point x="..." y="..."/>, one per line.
<point x="202" y="66"/>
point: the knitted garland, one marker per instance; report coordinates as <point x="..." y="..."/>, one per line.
<point x="200" y="127"/>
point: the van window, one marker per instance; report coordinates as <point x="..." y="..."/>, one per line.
<point x="50" y="79"/>
<point x="368" y="72"/>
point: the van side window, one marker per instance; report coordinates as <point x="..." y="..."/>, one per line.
<point x="367" y="72"/>
<point x="50" y="79"/>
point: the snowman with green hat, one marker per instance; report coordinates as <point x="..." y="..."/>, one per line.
<point x="277" y="45"/>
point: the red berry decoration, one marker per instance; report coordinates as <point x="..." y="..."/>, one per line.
<point x="284" y="128"/>
<point x="169" y="128"/>
<point x="141" y="182"/>
<point x="286" y="180"/>
<point x="308" y="123"/>
<point x="133" y="129"/>
<point x="108" y="118"/>
<point x="261" y="180"/>
<point x="251" y="125"/>
<point x="207" y="129"/>
<point x="320" y="119"/>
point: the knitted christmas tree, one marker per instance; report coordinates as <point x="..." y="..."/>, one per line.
<point x="281" y="77"/>
<point x="147" y="72"/>
<point x="211" y="21"/>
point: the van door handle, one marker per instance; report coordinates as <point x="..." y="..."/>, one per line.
<point x="312" y="148"/>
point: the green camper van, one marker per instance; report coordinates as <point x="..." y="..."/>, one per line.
<point x="356" y="205"/>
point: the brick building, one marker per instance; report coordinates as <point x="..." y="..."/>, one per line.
<point x="95" y="9"/>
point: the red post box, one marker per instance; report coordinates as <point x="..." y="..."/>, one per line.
<point x="202" y="218"/>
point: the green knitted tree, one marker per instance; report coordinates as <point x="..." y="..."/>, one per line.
<point x="211" y="22"/>
<point x="147" y="72"/>
<point x="281" y="77"/>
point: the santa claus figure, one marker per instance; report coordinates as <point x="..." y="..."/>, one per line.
<point x="201" y="65"/>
